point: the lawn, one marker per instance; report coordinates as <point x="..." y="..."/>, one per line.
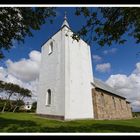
<point x="26" y="122"/>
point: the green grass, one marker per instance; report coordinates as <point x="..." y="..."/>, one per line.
<point x="25" y="122"/>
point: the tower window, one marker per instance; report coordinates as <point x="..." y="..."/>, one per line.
<point x="48" y="97"/>
<point x="50" y="48"/>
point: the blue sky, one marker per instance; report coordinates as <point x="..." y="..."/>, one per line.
<point x="117" y="65"/>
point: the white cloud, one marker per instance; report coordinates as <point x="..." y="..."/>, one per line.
<point x="25" y="69"/>
<point x="96" y="58"/>
<point x="137" y="70"/>
<point x="136" y="105"/>
<point x="2" y="73"/>
<point x="24" y="72"/>
<point x="35" y="56"/>
<point x="111" y="51"/>
<point x="128" y="86"/>
<point x="103" y="67"/>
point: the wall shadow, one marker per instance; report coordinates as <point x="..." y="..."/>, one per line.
<point x="13" y="125"/>
<point x="93" y="128"/>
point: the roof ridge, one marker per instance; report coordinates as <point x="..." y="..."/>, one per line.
<point x="101" y="84"/>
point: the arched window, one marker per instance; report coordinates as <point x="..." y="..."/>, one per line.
<point x="50" y="48"/>
<point x="48" y="97"/>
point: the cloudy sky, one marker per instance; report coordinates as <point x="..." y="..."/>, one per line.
<point x="117" y="65"/>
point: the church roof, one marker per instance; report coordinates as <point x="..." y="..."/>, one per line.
<point x="101" y="85"/>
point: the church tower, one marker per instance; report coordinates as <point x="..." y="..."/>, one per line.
<point x="65" y="90"/>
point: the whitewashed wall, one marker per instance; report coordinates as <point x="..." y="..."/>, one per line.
<point x="52" y="77"/>
<point x="78" y="98"/>
<point x="68" y="73"/>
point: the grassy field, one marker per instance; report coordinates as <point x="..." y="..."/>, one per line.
<point x="25" y="122"/>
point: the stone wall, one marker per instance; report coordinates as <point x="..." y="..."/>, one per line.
<point x="109" y="106"/>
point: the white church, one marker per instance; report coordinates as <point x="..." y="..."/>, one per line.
<point x="66" y="83"/>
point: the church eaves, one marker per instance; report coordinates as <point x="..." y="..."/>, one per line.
<point x="100" y="84"/>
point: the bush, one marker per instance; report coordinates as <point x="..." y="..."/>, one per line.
<point x="136" y="114"/>
<point x="34" y="106"/>
<point x="10" y="105"/>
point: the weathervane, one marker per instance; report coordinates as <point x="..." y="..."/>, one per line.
<point x="65" y="17"/>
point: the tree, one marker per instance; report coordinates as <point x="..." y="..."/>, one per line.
<point x="18" y="22"/>
<point x="21" y="94"/>
<point x="106" y="25"/>
<point x="1" y="86"/>
<point x="16" y="105"/>
<point x="9" y="89"/>
<point x="13" y="90"/>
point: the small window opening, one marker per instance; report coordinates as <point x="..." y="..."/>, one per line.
<point x="50" y="48"/>
<point x="48" y="97"/>
<point x="121" y="104"/>
<point x="114" y="104"/>
<point x="102" y="99"/>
